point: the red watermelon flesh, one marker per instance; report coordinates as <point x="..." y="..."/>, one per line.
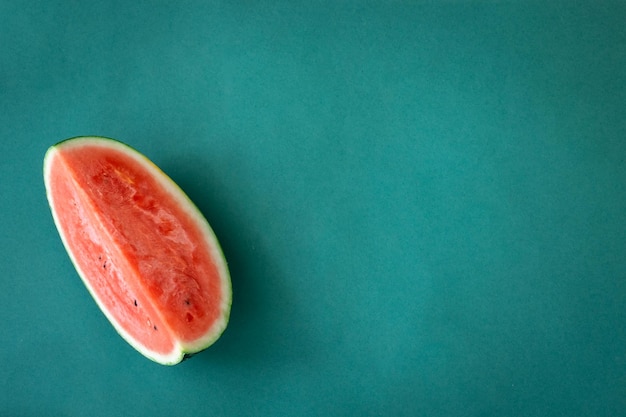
<point x="146" y="254"/>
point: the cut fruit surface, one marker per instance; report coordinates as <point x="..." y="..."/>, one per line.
<point x="144" y="251"/>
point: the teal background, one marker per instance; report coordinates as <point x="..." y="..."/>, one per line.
<point x="422" y="203"/>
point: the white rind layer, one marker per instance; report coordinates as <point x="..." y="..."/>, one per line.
<point x="181" y="348"/>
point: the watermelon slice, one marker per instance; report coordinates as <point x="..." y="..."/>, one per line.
<point x="144" y="251"/>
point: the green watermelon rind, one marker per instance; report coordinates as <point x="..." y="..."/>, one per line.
<point x="182" y="350"/>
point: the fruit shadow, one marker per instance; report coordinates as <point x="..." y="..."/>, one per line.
<point x="262" y="312"/>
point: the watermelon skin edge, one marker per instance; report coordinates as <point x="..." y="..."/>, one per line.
<point x="182" y="350"/>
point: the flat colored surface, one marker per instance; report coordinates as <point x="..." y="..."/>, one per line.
<point x="423" y="204"/>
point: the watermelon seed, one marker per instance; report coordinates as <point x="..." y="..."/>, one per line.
<point x="135" y="303"/>
<point x="155" y="327"/>
<point x="187" y="302"/>
<point x="104" y="265"/>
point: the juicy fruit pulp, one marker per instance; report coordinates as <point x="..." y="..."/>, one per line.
<point x="144" y="251"/>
